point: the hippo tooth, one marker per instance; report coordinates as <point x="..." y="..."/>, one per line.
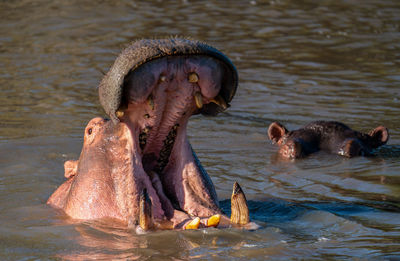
<point x="239" y="208"/>
<point x="119" y="113"/>
<point x="193" y="77"/>
<point x="150" y="100"/>
<point x="145" y="212"/>
<point x="198" y="99"/>
<point x="194" y="224"/>
<point x="163" y="78"/>
<point x="220" y="101"/>
<point x="213" y="221"/>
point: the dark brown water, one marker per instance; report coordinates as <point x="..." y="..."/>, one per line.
<point x="298" y="61"/>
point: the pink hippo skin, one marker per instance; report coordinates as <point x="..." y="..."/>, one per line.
<point x="330" y="136"/>
<point x="149" y="93"/>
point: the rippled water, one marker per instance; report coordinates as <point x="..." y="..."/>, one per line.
<point x="298" y="61"/>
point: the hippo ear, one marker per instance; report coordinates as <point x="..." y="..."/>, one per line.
<point x="380" y="136"/>
<point x="276" y="131"/>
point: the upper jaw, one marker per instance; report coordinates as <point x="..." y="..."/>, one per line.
<point x="160" y="97"/>
<point x="111" y="92"/>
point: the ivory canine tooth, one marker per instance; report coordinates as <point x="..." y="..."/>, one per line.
<point x="194" y="224"/>
<point x="193" y="77"/>
<point x="220" y="101"/>
<point x="145" y="211"/>
<point x="198" y="98"/>
<point x="239" y="208"/>
<point x="213" y="221"/>
<point x="119" y="113"/>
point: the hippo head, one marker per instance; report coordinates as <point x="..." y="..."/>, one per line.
<point x="139" y="165"/>
<point x="331" y="136"/>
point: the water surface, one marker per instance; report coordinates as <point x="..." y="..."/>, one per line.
<point x="298" y="61"/>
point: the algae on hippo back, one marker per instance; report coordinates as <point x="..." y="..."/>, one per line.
<point x="140" y="167"/>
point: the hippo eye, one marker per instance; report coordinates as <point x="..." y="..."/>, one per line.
<point x="89" y="131"/>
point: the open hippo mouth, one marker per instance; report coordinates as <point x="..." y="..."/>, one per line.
<point x="139" y="167"/>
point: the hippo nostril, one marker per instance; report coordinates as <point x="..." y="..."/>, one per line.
<point x="89" y="131"/>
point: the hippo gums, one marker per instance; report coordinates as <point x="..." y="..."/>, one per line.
<point x="331" y="136"/>
<point x="139" y="167"/>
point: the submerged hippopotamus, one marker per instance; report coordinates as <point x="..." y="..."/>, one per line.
<point x="330" y="136"/>
<point x="139" y="167"/>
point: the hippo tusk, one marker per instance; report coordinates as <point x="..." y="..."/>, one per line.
<point x="239" y="208"/>
<point x="213" y="221"/>
<point x="194" y="224"/>
<point x="145" y="212"/>
<point x="119" y="113"/>
<point x="198" y="98"/>
<point x="193" y="77"/>
<point x="220" y="102"/>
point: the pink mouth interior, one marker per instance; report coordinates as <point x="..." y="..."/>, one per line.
<point x="158" y="101"/>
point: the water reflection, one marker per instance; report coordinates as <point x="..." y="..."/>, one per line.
<point x="298" y="61"/>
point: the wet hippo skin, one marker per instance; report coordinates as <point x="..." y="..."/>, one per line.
<point x="142" y="154"/>
<point x="330" y="136"/>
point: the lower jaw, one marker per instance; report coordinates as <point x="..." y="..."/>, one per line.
<point x="202" y="209"/>
<point x="165" y="181"/>
<point x="100" y="193"/>
<point x="180" y="220"/>
<point x="180" y="191"/>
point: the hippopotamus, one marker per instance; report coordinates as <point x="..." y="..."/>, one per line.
<point x="331" y="136"/>
<point x="138" y="166"/>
